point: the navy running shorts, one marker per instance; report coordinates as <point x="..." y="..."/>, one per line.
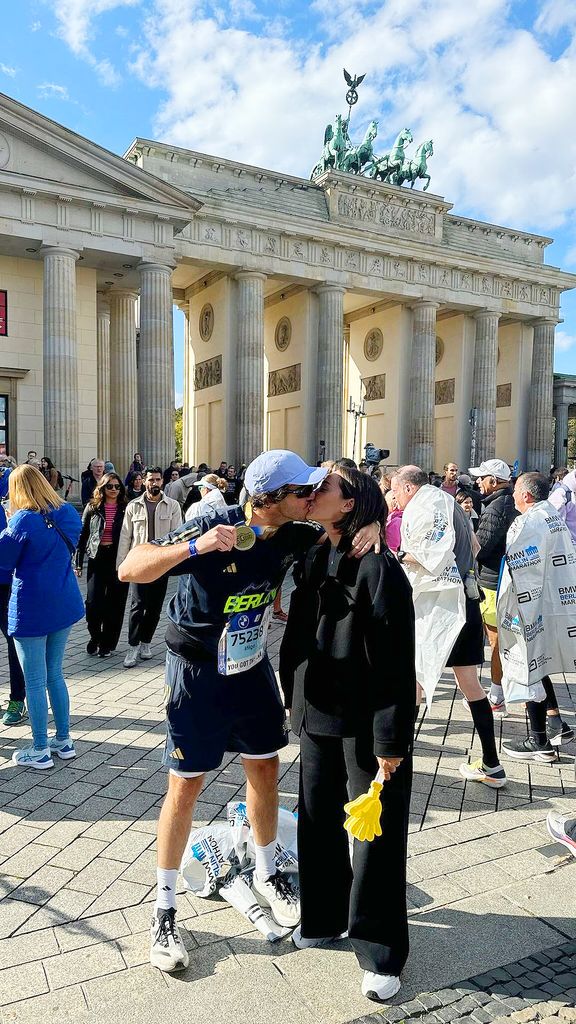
<point x="208" y="714"/>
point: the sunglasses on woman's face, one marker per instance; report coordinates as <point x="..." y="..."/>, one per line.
<point x="112" y="487"/>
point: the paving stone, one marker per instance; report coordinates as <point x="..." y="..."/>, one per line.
<point x="42" y="885"/>
<point x="88" y="931"/>
<point x="97" y="876"/>
<point x="122" y="986"/>
<point x="24" y="949"/>
<point x="66" y="1005"/>
<point x="83" y="964"/>
<point x="78" y="854"/>
<point x="17" y="984"/>
<point x="480" y="1015"/>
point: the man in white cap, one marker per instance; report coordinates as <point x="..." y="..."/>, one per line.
<point x="498" y="512"/>
<point x="221" y="691"/>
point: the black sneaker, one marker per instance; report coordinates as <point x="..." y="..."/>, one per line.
<point x="92" y="647"/>
<point x="167" y="950"/>
<point x="104" y="653"/>
<point x="557" y="731"/>
<point x="528" y="750"/>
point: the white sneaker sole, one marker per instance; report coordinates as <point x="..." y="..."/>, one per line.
<point x="64" y="756"/>
<point x="561" y="839"/>
<point x="516" y="755"/>
<point x="386" y="993"/>
<point x="146" y="657"/>
<point x="557" y="741"/>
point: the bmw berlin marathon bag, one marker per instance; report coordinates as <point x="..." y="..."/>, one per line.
<point x="537" y="603"/>
<point x="219" y="859"/>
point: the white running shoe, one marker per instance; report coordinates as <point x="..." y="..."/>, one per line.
<point x="63" y="748"/>
<point x="132" y="656"/>
<point x="301" y="943"/>
<point x="145" y="652"/>
<point x="380" y="987"/>
<point x="29" y="757"/>
<point x="499" y="709"/>
<point x="167" y="951"/>
<point x="281" y="896"/>
<point x="476" y="772"/>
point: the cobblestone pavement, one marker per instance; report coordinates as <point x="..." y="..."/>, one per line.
<point x="491" y="896"/>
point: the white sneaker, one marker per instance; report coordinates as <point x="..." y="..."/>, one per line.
<point x="145" y="652"/>
<point x="29" y="757"/>
<point x="281" y="896"/>
<point x="301" y="943"/>
<point x="167" y="951"/>
<point x="63" y="748"/>
<point x="132" y="656"/>
<point x="477" y="772"/>
<point x="380" y="987"/>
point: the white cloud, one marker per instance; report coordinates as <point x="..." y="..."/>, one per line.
<point x="7" y="70"/>
<point x="76" y="27"/>
<point x="35" y="26"/>
<point x="178" y="400"/>
<point x="554" y="16"/>
<point x="51" y="91"/>
<point x="498" y="106"/>
<point x="563" y="342"/>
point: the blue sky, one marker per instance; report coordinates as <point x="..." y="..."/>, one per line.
<point x="493" y="83"/>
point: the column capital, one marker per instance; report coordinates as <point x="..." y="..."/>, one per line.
<point x="122" y="293"/>
<point x="424" y="304"/>
<point x="545" y="321"/>
<point x="250" y="275"/>
<point x="59" y="250"/>
<point x="487" y="313"/>
<point x="165" y="268"/>
<point x="323" y="289"/>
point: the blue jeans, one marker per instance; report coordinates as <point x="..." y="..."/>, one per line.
<point x="41" y="661"/>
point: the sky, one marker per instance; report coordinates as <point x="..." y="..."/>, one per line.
<point x="492" y="83"/>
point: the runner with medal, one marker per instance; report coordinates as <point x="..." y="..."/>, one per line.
<point x="221" y="693"/>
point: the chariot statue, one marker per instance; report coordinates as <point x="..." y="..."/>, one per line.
<point x="394" y="168"/>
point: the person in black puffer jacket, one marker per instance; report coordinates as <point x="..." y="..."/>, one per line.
<point x="498" y="512"/>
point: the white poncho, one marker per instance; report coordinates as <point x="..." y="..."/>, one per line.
<point x="537" y="602"/>
<point x="439" y="604"/>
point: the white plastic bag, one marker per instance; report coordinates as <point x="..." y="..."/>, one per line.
<point x="207" y="858"/>
<point x="243" y="838"/>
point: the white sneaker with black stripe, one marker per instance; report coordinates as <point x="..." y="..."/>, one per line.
<point x="281" y="896"/>
<point x="167" y="951"/>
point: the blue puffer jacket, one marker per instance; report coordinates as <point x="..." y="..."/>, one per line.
<point x="5" y="577"/>
<point x="45" y="596"/>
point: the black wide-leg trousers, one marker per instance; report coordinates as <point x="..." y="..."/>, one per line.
<point x="145" y="610"/>
<point x="105" y="598"/>
<point x="368" y="896"/>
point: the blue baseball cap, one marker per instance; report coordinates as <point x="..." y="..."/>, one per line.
<point x="277" y="468"/>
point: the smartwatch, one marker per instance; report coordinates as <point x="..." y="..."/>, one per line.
<point x="192" y="548"/>
<point x="400" y="555"/>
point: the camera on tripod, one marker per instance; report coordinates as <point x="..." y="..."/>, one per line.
<point x="373" y="456"/>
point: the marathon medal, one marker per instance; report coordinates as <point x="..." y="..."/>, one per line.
<point x="245" y="538"/>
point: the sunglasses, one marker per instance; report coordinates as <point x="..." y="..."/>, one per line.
<point x="112" y="487"/>
<point x="302" y="492"/>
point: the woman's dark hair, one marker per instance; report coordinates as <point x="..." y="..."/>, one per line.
<point x="50" y="464"/>
<point x="133" y="475"/>
<point x="369" y="504"/>
<point x="98" y="498"/>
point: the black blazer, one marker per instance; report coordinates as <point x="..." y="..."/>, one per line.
<point x="347" y="656"/>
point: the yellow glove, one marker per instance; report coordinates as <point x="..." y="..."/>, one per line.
<point x="363" y="821"/>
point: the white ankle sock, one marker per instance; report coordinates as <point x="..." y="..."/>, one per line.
<point x="496" y="693"/>
<point x="166" y="893"/>
<point x="265" y="861"/>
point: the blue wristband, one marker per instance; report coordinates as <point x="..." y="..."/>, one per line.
<point x="192" y="548"/>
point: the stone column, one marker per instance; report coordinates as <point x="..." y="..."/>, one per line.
<point x="103" y="377"/>
<point x="124" y="439"/>
<point x="561" y="434"/>
<point x="423" y="365"/>
<point x="60" y="359"/>
<point x="187" y="390"/>
<point x="484" y="383"/>
<point x="156" y="364"/>
<point x="249" y="365"/>
<point x="330" y="384"/>
<point x="541" y="385"/>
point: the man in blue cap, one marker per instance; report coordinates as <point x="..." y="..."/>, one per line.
<point x="221" y="691"/>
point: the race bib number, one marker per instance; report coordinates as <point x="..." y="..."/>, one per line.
<point x="243" y="641"/>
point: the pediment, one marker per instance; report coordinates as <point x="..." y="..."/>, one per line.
<point x="36" y="149"/>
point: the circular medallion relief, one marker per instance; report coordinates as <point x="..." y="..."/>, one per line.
<point x="206" y="322"/>
<point x="373" y="344"/>
<point x="4" y="151"/>
<point x="282" y="334"/>
<point x="439" y="350"/>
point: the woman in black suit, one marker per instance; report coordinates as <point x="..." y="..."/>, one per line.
<point x="347" y="671"/>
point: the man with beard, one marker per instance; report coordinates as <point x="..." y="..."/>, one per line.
<point x="147" y="518"/>
<point x="221" y="691"/>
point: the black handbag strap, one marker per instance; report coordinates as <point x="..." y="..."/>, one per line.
<point x="54" y="526"/>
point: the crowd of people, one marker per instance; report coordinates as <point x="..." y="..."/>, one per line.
<point x="425" y="567"/>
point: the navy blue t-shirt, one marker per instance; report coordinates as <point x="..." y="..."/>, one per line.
<point x="215" y="586"/>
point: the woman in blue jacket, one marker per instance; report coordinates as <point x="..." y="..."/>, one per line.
<point x="45" y="601"/>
